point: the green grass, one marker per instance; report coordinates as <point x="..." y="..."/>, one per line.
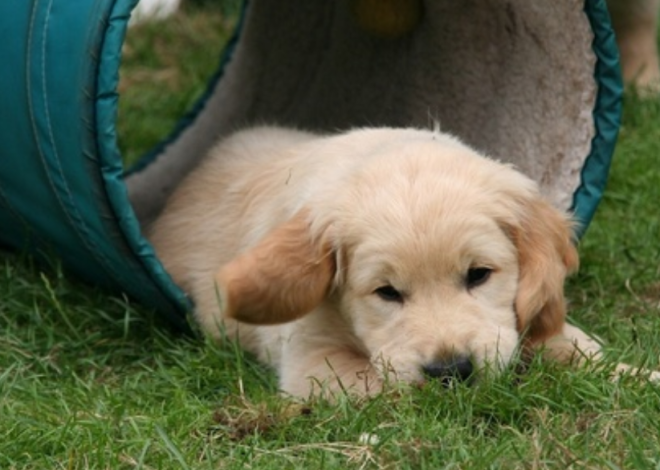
<point x="166" y="68"/>
<point x="88" y="380"/>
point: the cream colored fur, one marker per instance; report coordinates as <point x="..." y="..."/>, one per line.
<point x="294" y="234"/>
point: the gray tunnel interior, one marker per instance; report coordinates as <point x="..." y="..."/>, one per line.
<point x="513" y="78"/>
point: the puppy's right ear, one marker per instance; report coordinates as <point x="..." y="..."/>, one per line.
<point x="546" y="255"/>
<point x="280" y="279"/>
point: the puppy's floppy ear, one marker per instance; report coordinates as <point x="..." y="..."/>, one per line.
<point x="546" y="255"/>
<point x="282" y="278"/>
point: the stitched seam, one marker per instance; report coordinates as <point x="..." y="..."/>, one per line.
<point x="28" y="75"/>
<point x="78" y="225"/>
<point x="16" y="214"/>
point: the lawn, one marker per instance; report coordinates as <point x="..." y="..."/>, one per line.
<point x="90" y="380"/>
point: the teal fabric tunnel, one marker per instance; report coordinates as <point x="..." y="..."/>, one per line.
<point x="535" y="85"/>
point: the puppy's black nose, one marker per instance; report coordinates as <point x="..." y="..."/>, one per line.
<point x="452" y="368"/>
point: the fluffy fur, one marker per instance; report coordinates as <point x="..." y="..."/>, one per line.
<point x="380" y="254"/>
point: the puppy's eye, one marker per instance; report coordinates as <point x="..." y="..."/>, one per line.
<point x="477" y="276"/>
<point x="389" y="294"/>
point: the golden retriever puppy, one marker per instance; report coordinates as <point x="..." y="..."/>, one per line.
<point x="635" y="24"/>
<point x="351" y="260"/>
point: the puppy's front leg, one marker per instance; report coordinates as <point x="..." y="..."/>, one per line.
<point x="574" y="345"/>
<point x="571" y="345"/>
<point x="327" y="372"/>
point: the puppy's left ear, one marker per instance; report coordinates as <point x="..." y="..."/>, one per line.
<point x="282" y="278"/>
<point x="546" y="255"/>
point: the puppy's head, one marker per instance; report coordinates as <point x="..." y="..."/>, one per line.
<point x="441" y="261"/>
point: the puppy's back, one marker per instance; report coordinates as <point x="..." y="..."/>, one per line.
<point x="236" y="195"/>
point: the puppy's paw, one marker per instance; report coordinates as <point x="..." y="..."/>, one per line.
<point x="329" y="383"/>
<point x="654" y="377"/>
<point x="625" y="369"/>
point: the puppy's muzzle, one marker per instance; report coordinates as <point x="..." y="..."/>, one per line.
<point x="450" y="369"/>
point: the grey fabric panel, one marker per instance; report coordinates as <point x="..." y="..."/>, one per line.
<point x="513" y="78"/>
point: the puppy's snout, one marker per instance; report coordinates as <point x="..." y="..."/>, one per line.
<point x="453" y="368"/>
